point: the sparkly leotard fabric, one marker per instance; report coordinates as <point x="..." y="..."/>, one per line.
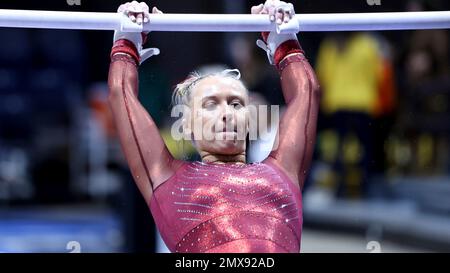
<point x="221" y="207"/>
<point x="209" y="207"/>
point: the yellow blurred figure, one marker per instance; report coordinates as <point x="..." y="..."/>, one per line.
<point x="350" y="74"/>
<point x="351" y="71"/>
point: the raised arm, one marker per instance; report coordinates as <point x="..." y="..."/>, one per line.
<point x="147" y="156"/>
<point x="297" y="130"/>
<point x="294" y="147"/>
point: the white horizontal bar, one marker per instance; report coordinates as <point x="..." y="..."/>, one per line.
<point x="307" y="22"/>
<point x="225" y="22"/>
<point x="375" y="21"/>
<point x="59" y="19"/>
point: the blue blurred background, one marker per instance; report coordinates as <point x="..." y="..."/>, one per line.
<point x="380" y="179"/>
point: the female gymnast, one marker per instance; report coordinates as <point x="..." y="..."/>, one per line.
<point x="221" y="204"/>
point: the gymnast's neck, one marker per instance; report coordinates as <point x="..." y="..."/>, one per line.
<point x="222" y="159"/>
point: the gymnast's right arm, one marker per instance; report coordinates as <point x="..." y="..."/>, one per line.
<point x="146" y="153"/>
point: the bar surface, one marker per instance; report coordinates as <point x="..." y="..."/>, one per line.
<point x="225" y="22"/>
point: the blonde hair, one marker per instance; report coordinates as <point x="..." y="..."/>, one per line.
<point x="182" y="92"/>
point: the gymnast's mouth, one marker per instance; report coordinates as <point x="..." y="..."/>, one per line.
<point x="228" y="130"/>
<point x="226" y="135"/>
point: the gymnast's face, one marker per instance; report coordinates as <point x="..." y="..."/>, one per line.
<point x="219" y="115"/>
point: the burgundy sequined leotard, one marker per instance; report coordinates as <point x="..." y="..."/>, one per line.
<point x="228" y="208"/>
<point x="210" y="207"/>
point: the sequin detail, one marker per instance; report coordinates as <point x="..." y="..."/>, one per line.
<point x="209" y="207"/>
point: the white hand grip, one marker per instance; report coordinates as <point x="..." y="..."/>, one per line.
<point x="126" y="25"/>
<point x="292" y="26"/>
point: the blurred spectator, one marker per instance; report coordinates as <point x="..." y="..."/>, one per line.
<point x="98" y="102"/>
<point x="427" y="51"/>
<point x="350" y="68"/>
<point x="422" y="123"/>
<point x="385" y="109"/>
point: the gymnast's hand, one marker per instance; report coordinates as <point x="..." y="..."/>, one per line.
<point x="139" y="14"/>
<point x="281" y="13"/>
<point x="278" y="11"/>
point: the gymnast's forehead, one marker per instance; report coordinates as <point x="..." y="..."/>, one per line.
<point x="216" y="85"/>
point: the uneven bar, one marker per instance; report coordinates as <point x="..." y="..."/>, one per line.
<point x="225" y="22"/>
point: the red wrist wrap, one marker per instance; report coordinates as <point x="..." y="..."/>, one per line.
<point x="125" y="58"/>
<point x="127" y="47"/>
<point x="290" y="59"/>
<point x="286" y="48"/>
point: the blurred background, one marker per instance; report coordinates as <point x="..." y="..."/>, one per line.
<point x="380" y="178"/>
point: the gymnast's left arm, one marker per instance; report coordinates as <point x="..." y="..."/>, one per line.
<point x="297" y="129"/>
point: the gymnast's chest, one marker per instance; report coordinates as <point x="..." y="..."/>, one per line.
<point x="202" y="192"/>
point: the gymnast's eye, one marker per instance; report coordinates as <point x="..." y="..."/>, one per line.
<point x="209" y="105"/>
<point x="236" y="104"/>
